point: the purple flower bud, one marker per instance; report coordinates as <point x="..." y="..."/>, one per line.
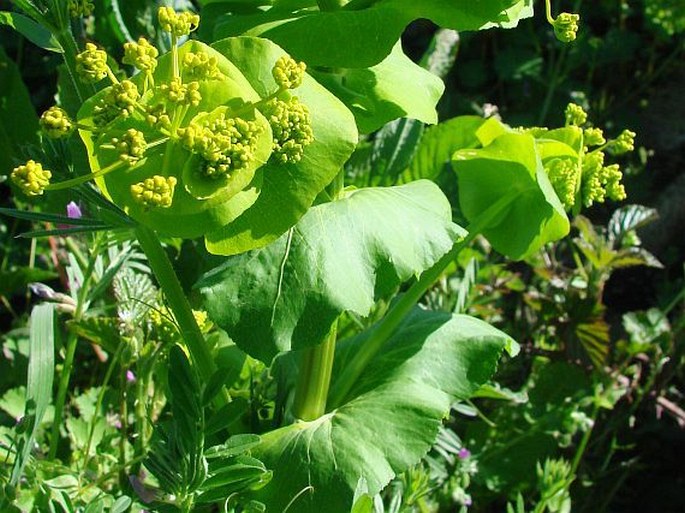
<point x="73" y="210"/>
<point x="130" y="377"/>
<point x="464" y="453"/>
<point x="467" y="501"/>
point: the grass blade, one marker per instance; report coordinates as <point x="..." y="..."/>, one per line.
<point x="39" y="382"/>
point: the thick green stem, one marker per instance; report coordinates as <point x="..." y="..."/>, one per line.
<point x="387" y="326"/>
<point x="168" y="281"/>
<point x="315" y="378"/>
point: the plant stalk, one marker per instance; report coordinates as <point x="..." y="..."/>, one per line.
<point x="315" y="378"/>
<point x="382" y="331"/>
<point x="71" y="343"/>
<point x="168" y="281"/>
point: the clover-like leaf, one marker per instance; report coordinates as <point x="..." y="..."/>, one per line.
<point x="510" y="167"/>
<point x="288" y="190"/>
<point x="392" y="416"/>
<point x="340" y="257"/>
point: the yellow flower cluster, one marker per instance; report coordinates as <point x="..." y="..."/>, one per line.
<point x="599" y="181"/>
<point x="131" y="145"/>
<point x="184" y="94"/>
<point x="31" y="178"/>
<point x="55" y="123"/>
<point x="593" y="137"/>
<point x="201" y="66"/>
<point x="563" y="175"/>
<point x="291" y="125"/>
<point x="142" y="55"/>
<point x="177" y="24"/>
<point x="91" y="64"/>
<point x="575" y="115"/>
<point x="288" y="73"/>
<point x="120" y="100"/>
<point x="157" y="191"/>
<point x="224" y="143"/>
<point x="624" y="143"/>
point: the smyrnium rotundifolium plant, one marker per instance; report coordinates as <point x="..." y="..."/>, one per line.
<point x="188" y="143"/>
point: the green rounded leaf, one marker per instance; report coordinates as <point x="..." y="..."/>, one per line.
<point x="362" y="37"/>
<point x="190" y="215"/>
<point x="510" y="168"/>
<point x="288" y="190"/>
<point x="392" y="418"/>
<point x="340" y="257"/>
<point x="393" y="88"/>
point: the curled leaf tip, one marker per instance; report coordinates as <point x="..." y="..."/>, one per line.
<point x="566" y="27"/>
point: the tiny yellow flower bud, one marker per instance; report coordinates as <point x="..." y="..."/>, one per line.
<point x="178" y="24"/>
<point x="56" y="123"/>
<point x="575" y="115"/>
<point x="201" y="66"/>
<point x="288" y="73"/>
<point x="291" y="125"/>
<point x="31" y="178"/>
<point x="593" y="137"/>
<point x="131" y="146"/>
<point x="142" y="55"/>
<point x="157" y="191"/>
<point x="91" y="64"/>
